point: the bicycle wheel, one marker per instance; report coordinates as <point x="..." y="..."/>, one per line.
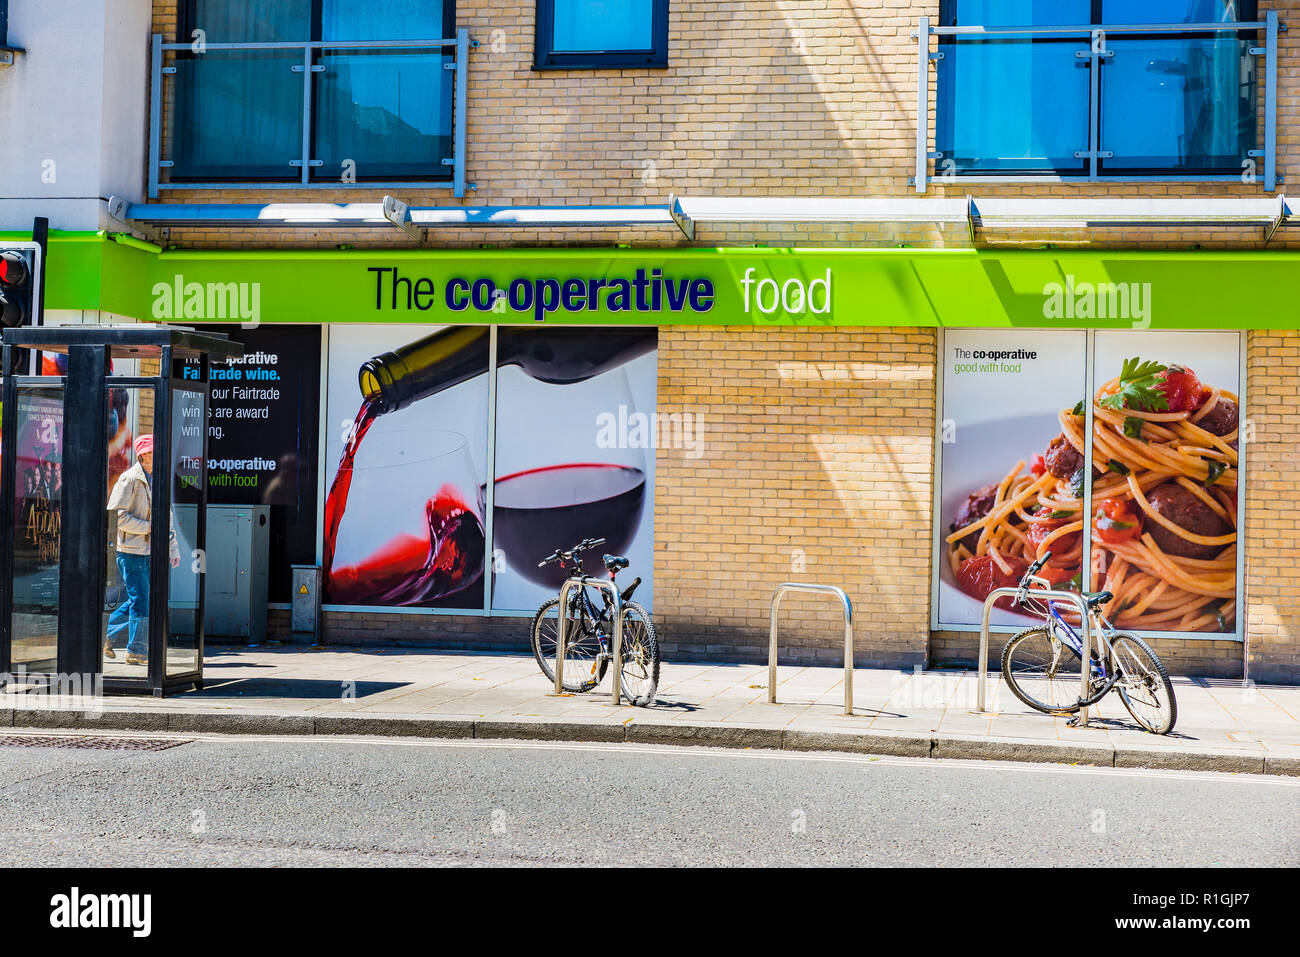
<point x="584" y="661"/>
<point x="1143" y="684"/>
<point x="640" y="675"/>
<point x="1042" y="672"/>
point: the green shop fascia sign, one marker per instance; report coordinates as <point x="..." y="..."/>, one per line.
<point x="732" y="286"/>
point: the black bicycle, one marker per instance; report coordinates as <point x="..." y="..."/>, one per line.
<point x="588" y="632"/>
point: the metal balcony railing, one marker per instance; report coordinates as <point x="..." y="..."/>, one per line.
<point x="1226" y="79"/>
<point x="285" y="115"/>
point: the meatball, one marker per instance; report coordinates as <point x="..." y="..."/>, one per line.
<point x="1222" y="419"/>
<point x="1062" y="459"/>
<point x="1185" y="510"/>
<point x="977" y="505"/>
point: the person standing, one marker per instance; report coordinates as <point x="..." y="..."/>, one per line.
<point x="132" y="501"/>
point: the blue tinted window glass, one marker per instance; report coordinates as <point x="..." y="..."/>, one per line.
<point x="1186" y="104"/>
<point x="389" y="20"/>
<point x="251" y="21"/>
<point x="1008" y="105"/>
<point x="1170" y="11"/>
<point x="600" y="25"/>
<point x="1017" y="13"/>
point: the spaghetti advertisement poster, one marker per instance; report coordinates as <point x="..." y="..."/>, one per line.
<point x="1160" y="533"/>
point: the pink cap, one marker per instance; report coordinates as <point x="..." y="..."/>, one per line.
<point x="143" y="444"/>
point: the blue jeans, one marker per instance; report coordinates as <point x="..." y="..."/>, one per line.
<point x="132" y="615"/>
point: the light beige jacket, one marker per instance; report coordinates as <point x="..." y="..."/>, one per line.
<point x="132" y="500"/>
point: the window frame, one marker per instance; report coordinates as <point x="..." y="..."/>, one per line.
<point x="1107" y="169"/>
<point x="546" y="58"/>
<point x="438" y="175"/>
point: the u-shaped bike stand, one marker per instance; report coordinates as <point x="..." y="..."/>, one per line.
<point x="777" y="595"/>
<point x="1074" y="599"/>
<point x="616" y="603"/>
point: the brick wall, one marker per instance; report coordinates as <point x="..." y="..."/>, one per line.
<point x="1273" y="505"/>
<point x="760" y="98"/>
<point x="816" y="466"/>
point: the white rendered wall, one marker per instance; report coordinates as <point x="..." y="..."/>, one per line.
<point x="74" y="108"/>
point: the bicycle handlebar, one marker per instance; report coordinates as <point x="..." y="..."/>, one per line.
<point x="587" y="544"/>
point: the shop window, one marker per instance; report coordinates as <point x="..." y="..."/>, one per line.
<point x="1154" y="521"/>
<point x="601" y="34"/>
<point x="1172" y="103"/>
<point x="370" y="113"/>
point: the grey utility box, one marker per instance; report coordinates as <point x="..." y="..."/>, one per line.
<point x="238" y="559"/>
<point x="306" y="601"/>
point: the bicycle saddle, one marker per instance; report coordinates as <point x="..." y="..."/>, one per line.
<point x="1097" y="598"/>
<point x="615" y="562"/>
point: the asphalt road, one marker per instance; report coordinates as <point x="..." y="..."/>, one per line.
<point x="256" y="801"/>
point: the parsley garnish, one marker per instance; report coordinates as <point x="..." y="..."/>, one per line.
<point x="1133" y="428"/>
<point x="1076" y="483"/>
<point x="1119" y="467"/>
<point x="1078" y="408"/>
<point x="1061" y="513"/>
<point x="1214" y="468"/>
<point x="1139" y="383"/>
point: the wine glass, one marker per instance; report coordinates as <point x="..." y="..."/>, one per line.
<point x="570" y="464"/>
<point x="411" y="532"/>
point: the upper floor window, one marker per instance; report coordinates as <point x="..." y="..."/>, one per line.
<point x="1141" y="102"/>
<point x="366" y="109"/>
<point x="601" y="34"/>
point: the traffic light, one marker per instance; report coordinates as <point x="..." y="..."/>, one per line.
<point x="20" y="271"/>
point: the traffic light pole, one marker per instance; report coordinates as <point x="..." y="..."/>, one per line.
<point x="41" y="237"/>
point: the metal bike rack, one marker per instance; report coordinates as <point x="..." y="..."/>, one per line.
<point x="1074" y="599"/>
<point x="604" y="584"/>
<point x="777" y="595"/>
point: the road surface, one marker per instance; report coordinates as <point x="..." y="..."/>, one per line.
<point x="264" y="801"/>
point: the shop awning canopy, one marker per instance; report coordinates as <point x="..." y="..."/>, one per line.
<point x="685" y="213"/>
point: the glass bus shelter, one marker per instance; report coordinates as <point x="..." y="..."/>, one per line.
<point x="88" y="591"/>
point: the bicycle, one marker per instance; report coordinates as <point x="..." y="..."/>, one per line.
<point x="1041" y="664"/>
<point x="588" y="632"/>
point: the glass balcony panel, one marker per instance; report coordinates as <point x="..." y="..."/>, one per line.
<point x="384" y="114"/>
<point x="1178" y="104"/>
<point x="1012" y="105"/>
<point x="237" y="115"/>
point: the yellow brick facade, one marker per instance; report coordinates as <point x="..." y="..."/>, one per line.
<point x="819" y="443"/>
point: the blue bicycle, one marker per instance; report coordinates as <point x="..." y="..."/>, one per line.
<point x="1042" y="664"/>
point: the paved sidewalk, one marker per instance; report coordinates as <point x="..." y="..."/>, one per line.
<point x="332" y="690"/>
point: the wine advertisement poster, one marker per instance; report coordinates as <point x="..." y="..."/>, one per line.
<point x="406" y="511"/>
<point x="1161" y="536"/>
<point x="575" y="455"/>
<point x="1003" y="394"/>
<point x="405" y="459"/>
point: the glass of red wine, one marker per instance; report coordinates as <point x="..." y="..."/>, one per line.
<point x="570" y="464"/>
<point x="407" y="529"/>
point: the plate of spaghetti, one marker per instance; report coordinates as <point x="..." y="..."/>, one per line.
<point x="1163" y="527"/>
